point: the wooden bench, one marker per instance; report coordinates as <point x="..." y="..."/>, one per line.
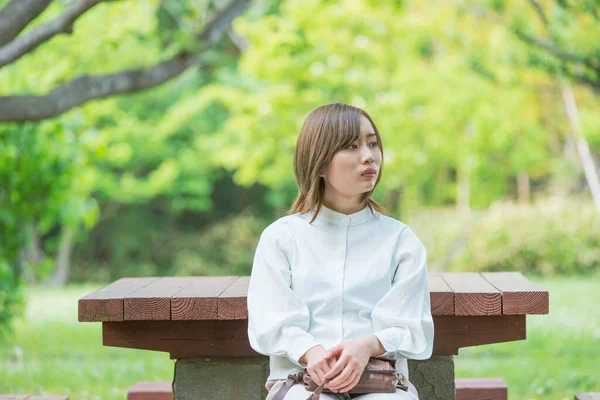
<point x="481" y="389"/>
<point x="202" y="323"/>
<point x="587" y="396"/>
<point x="151" y="391"/>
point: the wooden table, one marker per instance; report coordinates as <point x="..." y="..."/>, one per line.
<point x="194" y="317"/>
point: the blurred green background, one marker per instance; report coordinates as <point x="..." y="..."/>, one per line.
<point x="157" y="138"/>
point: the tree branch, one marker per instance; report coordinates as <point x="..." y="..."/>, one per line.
<point x="548" y="47"/>
<point x="86" y="88"/>
<point x="16" y="15"/>
<point x="540" y="12"/>
<point x="62" y="24"/>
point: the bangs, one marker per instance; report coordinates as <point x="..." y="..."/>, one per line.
<point x="344" y="129"/>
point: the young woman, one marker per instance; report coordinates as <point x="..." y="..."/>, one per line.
<point x="335" y="282"/>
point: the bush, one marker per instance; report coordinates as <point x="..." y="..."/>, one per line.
<point x="226" y="248"/>
<point x="553" y="236"/>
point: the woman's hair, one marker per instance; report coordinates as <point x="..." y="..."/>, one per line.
<point x="326" y="130"/>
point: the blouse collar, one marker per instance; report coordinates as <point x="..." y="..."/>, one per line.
<point x="338" y="218"/>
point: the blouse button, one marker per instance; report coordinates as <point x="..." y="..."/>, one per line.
<point x="341" y="249"/>
<point x="344" y="219"/>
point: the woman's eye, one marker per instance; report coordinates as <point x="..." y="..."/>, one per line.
<point x="372" y="144"/>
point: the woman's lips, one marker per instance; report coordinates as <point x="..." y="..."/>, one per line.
<point x="370" y="175"/>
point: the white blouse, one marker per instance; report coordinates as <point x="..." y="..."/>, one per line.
<point x="339" y="278"/>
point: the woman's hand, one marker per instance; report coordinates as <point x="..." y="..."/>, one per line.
<point x="352" y="358"/>
<point x="318" y="363"/>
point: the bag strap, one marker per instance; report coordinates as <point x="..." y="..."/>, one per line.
<point x="317" y="393"/>
<point x="291" y="381"/>
<point x="298" y="378"/>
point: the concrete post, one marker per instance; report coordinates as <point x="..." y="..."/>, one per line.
<point x="433" y="378"/>
<point x="221" y="378"/>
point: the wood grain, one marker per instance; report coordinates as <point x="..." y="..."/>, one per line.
<point x="106" y="304"/>
<point x="473" y="295"/>
<point x="442" y="297"/>
<point x="519" y="294"/>
<point x="199" y="300"/>
<point x="232" y="302"/>
<point x="153" y="301"/>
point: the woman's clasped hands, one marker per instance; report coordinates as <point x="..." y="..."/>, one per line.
<point x="342" y="366"/>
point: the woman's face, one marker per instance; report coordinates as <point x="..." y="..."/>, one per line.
<point x="344" y="174"/>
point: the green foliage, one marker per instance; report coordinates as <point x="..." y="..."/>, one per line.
<point x="226" y="248"/>
<point x="454" y="103"/>
<point x="43" y="183"/>
<point x="11" y="298"/>
<point x="552" y="237"/>
<point x="555" y="35"/>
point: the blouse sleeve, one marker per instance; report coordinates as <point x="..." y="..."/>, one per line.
<point x="402" y="319"/>
<point x="278" y="319"/>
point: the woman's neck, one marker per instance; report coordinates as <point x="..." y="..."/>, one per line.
<point x="349" y="206"/>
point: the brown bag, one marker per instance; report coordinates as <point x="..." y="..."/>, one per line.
<point x="379" y="376"/>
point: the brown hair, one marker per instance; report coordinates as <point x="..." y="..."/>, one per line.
<point x="326" y="130"/>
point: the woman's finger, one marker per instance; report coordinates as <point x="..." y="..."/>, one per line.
<point x="330" y="364"/>
<point x="343" y="379"/>
<point x="353" y="383"/>
<point x="317" y="375"/>
<point x="337" y="368"/>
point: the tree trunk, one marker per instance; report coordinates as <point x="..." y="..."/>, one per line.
<point x="31" y="256"/>
<point x="463" y="173"/>
<point x="583" y="149"/>
<point x="63" y="258"/>
<point x="523" y="188"/>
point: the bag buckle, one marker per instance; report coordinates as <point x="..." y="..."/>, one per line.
<point x="401" y="382"/>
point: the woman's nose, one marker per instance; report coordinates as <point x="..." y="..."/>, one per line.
<point x="367" y="155"/>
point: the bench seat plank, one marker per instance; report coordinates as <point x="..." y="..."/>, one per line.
<point x="106" y="304"/>
<point x="441" y="296"/>
<point x="232" y="302"/>
<point x="153" y="301"/>
<point x="473" y="295"/>
<point x="519" y="294"/>
<point x="199" y="300"/>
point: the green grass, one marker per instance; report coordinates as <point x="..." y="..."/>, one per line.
<point x="561" y="355"/>
<point x="52" y="353"/>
